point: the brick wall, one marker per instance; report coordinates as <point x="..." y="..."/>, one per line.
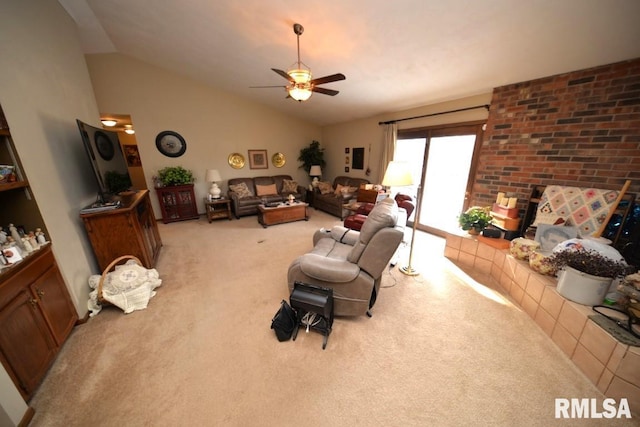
<point x="578" y="129"/>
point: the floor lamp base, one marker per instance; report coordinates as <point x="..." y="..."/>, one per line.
<point x="409" y="271"/>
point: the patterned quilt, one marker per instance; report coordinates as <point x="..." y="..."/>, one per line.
<point x="585" y="208"/>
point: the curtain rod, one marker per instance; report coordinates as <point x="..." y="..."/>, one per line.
<point x="486" y="106"/>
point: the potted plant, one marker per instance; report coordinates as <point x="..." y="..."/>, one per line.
<point x="475" y="219"/>
<point x="117" y="182"/>
<point x="175" y="175"/>
<point x="312" y="155"/>
<point x="585" y="275"/>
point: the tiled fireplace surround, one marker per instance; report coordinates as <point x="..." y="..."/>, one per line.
<point x="612" y="366"/>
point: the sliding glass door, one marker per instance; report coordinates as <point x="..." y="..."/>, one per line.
<point x="443" y="163"/>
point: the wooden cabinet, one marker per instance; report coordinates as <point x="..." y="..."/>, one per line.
<point x="177" y="202"/>
<point x="37" y="316"/>
<point x="36" y="312"/>
<point x="128" y="230"/>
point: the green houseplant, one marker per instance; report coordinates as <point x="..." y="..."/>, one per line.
<point x="475" y="219"/>
<point x="312" y="155"/>
<point x="175" y="175"/>
<point x="117" y="182"/>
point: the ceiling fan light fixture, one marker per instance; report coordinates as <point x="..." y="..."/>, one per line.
<point x="300" y="75"/>
<point x="300" y="91"/>
<point x="109" y="122"/>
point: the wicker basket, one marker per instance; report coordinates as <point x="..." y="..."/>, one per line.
<point x="108" y="269"/>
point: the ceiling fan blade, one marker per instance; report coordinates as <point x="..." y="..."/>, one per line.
<point x="284" y="74"/>
<point x="324" y="91"/>
<point x="262" y="87"/>
<point x="327" y="79"/>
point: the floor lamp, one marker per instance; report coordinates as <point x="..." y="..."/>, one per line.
<point x="398" y="174"/>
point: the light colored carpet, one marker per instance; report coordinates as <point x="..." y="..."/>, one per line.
<point x="439" y="349"/>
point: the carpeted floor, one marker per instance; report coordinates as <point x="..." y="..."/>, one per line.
<point x="440" y="349"/>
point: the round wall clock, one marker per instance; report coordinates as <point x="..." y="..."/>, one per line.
<point x="278" y="160"/>
<point x="171" y="144"/>
<point x="104" y="145"/>
<point x="236" y="160"/>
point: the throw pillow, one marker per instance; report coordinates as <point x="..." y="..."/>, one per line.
<point x="325" y="187"/>
<point x="241" y="190"/>
<point x="289" y="186"/>
<point x="266" y="190"/>
<point x="340" y="189"/>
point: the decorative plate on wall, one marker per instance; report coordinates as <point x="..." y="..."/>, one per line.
<point x="171" y="143"/>
<point x="236" y="160"/>
<point x="278" y="160"/>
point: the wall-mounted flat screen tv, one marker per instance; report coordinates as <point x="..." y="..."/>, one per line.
<point x="107" y="160"/>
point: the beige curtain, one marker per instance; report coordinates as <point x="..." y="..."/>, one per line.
<point x="388" y="147"/>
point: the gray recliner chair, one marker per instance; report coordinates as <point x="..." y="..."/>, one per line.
<point x="351" y="262"/>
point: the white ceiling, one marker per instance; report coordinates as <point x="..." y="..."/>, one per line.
<point x="396" y="55"/>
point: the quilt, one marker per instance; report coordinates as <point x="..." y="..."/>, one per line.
<point x="585" y="208"/>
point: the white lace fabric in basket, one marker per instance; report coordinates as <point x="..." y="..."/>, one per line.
<point x="129" y="287"/>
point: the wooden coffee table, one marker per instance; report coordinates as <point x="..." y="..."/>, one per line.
<point x="282" y="213"/>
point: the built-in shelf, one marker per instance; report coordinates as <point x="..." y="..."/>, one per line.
<point x="13" y="185"/>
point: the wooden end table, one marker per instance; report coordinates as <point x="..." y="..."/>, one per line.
<point x="218" y="208"/>
<point x="282" y="213"/>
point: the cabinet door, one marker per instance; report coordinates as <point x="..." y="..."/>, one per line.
<point x="186" y="203"/>
<point x="149" y="229"/>
<point x="25" y="341"/>
<point x="56" y="306"/>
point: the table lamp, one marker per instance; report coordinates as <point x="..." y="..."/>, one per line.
<point x="315" y="172"/>
<point x="398" y="175"/>
<point x="213" y="176"/>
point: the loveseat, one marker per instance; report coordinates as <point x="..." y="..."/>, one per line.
<point x="331" y="198"/>
<point x="351" y="262"/>
<point x="247" y="193"/>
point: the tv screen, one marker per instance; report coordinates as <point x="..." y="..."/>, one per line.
<point x="107" y="160"/>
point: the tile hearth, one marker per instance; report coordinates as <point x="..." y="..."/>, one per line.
<point x="612" y="366"/>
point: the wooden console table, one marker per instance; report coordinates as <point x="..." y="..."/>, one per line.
<point x="128" y="230"/>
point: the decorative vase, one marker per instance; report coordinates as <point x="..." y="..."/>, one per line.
<point x="581" y="287"/>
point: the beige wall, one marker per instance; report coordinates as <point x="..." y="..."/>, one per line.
<point x="368" y="133"/>
<point x="213" y="123"/>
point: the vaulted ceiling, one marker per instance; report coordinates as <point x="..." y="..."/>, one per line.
<point x="395" y="54"/>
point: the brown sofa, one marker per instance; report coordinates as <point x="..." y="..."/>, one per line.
<point x="247" y="204"/>
<point x="334" y="204"/>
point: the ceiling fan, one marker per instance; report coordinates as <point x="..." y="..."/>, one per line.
<point x="301" y="86"/>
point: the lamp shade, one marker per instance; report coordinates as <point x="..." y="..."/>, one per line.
<point x="300" y="93"/>
<point x="315" y="171"/>
<point x="212" y="175"/>
<point x="398" y="174"/>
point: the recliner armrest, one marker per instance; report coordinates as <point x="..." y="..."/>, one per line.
<point x="328" y="269"/>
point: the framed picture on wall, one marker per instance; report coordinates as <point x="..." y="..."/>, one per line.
<point x="346" y="169"/>
<point x="258" y="159"/>
<point x="346" y="160"/>
<point x="346" y="150"/>
<point x="358" y="158"/>
<point x="132" y="155"/>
